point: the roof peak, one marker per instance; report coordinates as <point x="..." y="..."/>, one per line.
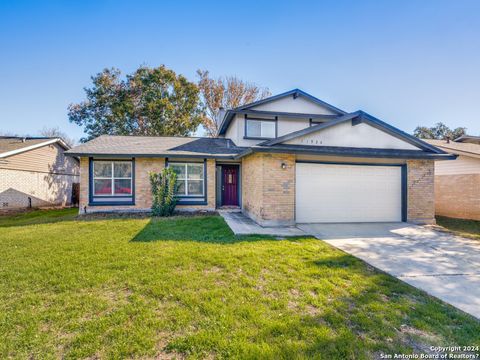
<point x="295" y="92"/>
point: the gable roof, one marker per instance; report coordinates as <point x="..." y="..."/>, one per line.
<point x="229" y="114"/>
<point x="358" y="117"/>
<point x="468" y="139"/>
<point x="157" y="146"/>
<point x="12" y="145"/>
<point x="295" y="93"/>
<point x="458" y="148"/>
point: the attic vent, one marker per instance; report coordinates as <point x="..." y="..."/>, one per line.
<point x="295" y="95"/>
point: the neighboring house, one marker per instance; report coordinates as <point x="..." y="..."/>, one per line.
<point x="457" y="183"/>
<point x="34" y="172"/>
<point x="287" y="159"/>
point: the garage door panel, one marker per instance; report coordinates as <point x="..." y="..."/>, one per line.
<point x="348" y="193"/>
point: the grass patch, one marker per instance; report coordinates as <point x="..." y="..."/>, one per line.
<point x="38" y="217"/>
<point x="187" y="287"/>
<point x="468" y="228"/>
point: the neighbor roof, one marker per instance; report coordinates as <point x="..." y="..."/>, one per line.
<point x="229" y="114"/>
<point x="468" y="139"/>
<point x="12" y="145"/>
<point x="153" y="146"/>
<point x="458" y="148"/>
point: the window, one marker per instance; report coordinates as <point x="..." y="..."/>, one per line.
<point x="190" y="179"/>
<point x="112" y="178"/>
<point x="260" y="128"/>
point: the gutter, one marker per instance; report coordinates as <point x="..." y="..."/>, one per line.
<point x="432" y="156"/>
<point x="107" y="156"/>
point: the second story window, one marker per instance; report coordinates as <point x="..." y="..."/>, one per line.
<point x="262" y="129"/>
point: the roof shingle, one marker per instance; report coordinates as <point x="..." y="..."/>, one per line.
<point x="109" y="145"/>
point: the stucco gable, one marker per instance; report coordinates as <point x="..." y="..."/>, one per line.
<point x="373" y="133"/>
<point x="345" y="134"/>
<point x="293" y="104"/>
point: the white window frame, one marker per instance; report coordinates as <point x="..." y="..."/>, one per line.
<point x="112" y="178"/>
<point x="186" y="179"/>
<point x="261" y="136"/>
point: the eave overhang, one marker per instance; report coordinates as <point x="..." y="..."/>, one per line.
<point x="348" y="152"/>
<point x="159" y="155"/>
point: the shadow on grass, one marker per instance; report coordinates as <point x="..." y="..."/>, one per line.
<point x="39" y="216"/>
<point x="464" y="227"/>
<point x="210" y="229"/>
<point x="343" y="261"/>
<point x="52" y="216"/>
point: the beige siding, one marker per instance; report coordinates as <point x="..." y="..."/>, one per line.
<point x="46" y="159"/>
<point x="462" y="165"/>
<point x="42" y="176"/>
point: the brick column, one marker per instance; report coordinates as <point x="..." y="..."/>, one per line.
<point x="268" y="189"/>
<point x="420" y="191"/>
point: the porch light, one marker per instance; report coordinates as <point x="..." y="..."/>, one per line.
<point x="284" y="166"/>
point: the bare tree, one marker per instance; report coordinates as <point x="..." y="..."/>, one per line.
<point x="227" y="93"/>
<point x="55" y="132"/>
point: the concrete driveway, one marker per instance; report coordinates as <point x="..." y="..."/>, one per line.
<point x="443" y="265"/>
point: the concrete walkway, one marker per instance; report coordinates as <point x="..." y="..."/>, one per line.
<point x="243" y="225"/>
<point x="443" y="265"/>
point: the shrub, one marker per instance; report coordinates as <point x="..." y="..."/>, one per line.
<point x="163" y="192"/>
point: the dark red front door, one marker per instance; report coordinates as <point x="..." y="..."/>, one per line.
<point x="230" y="185"/>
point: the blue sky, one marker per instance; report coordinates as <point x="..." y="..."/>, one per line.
<point x="406" y="62"/>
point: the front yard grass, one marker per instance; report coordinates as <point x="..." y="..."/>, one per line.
<point x="462" y="227"/>
<point x="187" y="287"/>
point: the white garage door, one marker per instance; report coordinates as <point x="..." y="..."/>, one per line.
<point x="348" y="193"/>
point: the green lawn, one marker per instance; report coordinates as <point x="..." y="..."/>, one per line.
<point x="187" y="287"/>
<point x="468" y="228"/>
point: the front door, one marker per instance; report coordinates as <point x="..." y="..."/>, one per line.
<point x="230" y="185"/>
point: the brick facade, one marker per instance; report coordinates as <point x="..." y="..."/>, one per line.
<point x="458" y="196"/>
<point x="43" y="189"/>
<point x="420" y="191"/>
<point x="268" y="190"/>
<point x="143" y="196"/>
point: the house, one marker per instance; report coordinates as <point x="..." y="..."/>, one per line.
<point x="290" y="158"/>
<point x="457" y="183"/>
<point x="35" y="172"/>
